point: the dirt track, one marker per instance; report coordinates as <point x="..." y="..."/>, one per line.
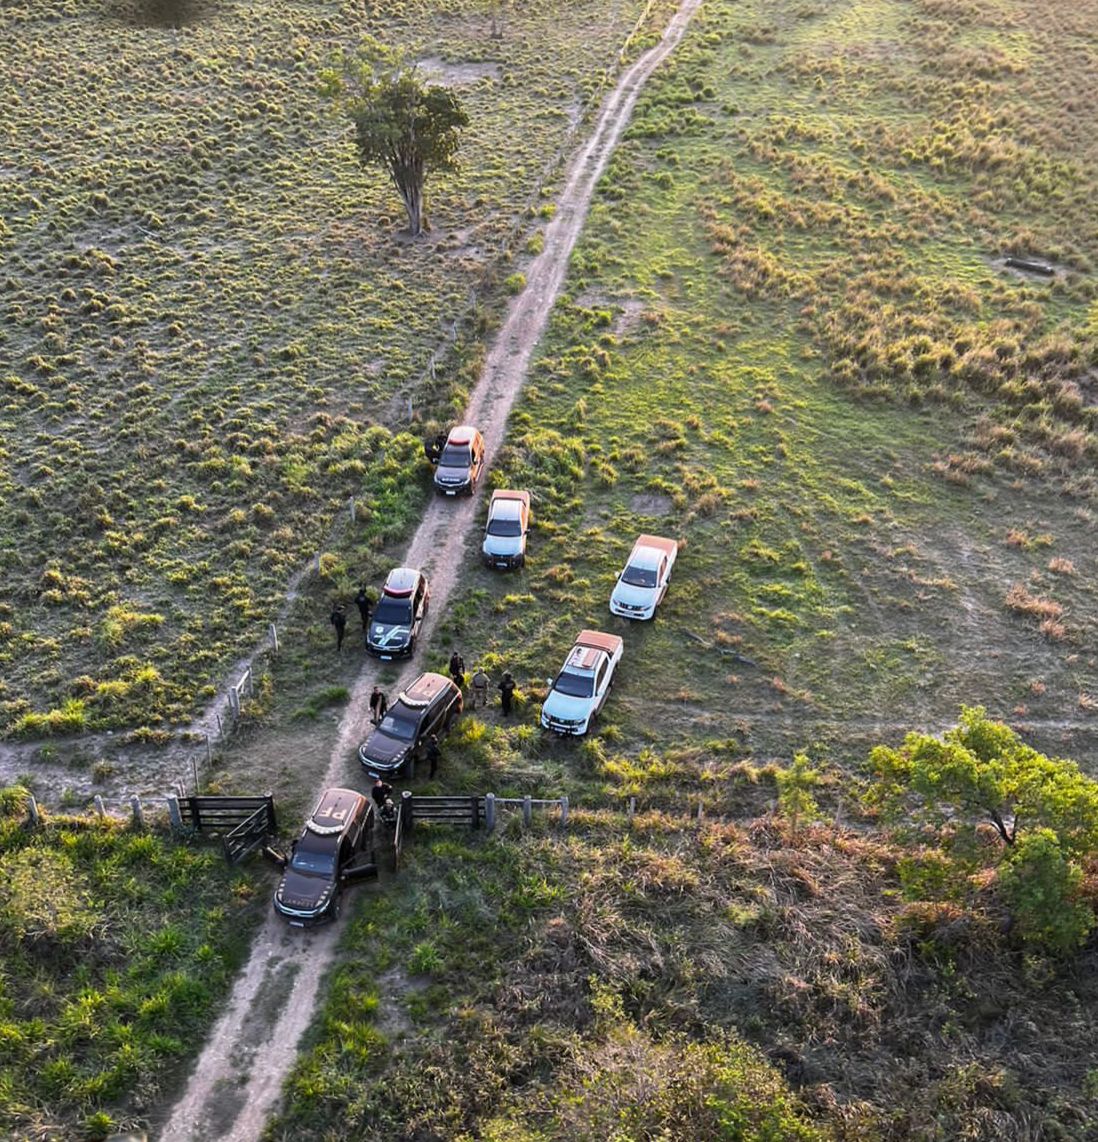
<point x="237" y="1080"/>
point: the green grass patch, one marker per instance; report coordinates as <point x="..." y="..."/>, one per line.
<point x="117" y="947"/>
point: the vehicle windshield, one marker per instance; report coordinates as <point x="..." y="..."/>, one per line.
<point x="392" y="612"/>
<point x="398" y="727"/>
<point x="456" y="456"/>
<point x="315" y="855"/>
<point x="575" y="685"/>
<point x="505" y="528"/>
<point x="639" y="577"/>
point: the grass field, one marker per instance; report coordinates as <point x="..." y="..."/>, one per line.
<point x="116" y="948"/>
<point x="211" y="318"/>
<point x="789" y="341"/>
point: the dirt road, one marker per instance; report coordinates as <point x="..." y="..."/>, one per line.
<point x="237" y="1080"/>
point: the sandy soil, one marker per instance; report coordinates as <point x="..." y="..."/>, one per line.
<point x="238" y="1078"/>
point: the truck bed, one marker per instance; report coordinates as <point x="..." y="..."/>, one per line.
<point x="611" y="643"/>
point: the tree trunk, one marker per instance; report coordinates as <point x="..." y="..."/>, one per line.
<point x="411" y="194"/>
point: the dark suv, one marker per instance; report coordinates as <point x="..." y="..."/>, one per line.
<point x="335" y="847"/>
<point x="461" y="461"/>
<point x="399" y="614"/>
<point x="428" y="706"/>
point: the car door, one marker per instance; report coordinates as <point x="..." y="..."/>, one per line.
<point x="478" y="459"/>
<point x="418" y="606"/>
<point x="661" y="580"/>
<point x="600" y="685"/>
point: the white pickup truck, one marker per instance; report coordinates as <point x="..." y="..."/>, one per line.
<point x="642" y="585"/>
<point x="579" y="691"/>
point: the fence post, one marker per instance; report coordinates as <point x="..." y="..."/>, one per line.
<point x="234" y="700"/>
<point x="527" y="810"/>
<point x="138" y="816"/>
<point x="632" y="809"/>
<point x="489" y="811"/>
<point x="316" y="563"/>
<point x="194" y="764"/>
<point x="351" y="508"/>
<point x="564" y="812"/>
<point x="406" y="810"/>
<point x="701" y="811"/>
<point x="32" y="809"/>
<point x="274" y="637"/>
<point x="100" y="808"/>
<point x="174" y="816"/>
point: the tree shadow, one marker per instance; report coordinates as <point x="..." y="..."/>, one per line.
<point x="164" y="13"/>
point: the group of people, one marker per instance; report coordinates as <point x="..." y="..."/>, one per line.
<point x="481" y="682"/>
<point x="338" y="617"/>
<point x="379" y="703"/>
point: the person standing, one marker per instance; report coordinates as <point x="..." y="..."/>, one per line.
<point x="433" y="753"/>
<point x="381" y="792"/>
<point x="480" y="688"/>
<point x="362" y="601"/>
<point x="378" y="705"/>
<point x="339" y="620"/>
<point x="457" y="669"/>
<point x="506" y="692"/>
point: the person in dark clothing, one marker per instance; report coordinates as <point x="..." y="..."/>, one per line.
<point x="378" y="705"/>
<point x="457" y="668"/>
<point x="339" y="620"/>
<point x="506" y="692"/>
<point x="433" y="753"/>
<point x="362" y="601"/>
<point x="432" y="449"/>
<point x="381" y="792"/>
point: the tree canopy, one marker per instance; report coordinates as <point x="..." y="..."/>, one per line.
<point x="982" y="770"/>
<point x="402" y="123"/>
<point x="1044" y="811"/>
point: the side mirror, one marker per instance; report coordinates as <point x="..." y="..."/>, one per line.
<point x="549" y="683"/>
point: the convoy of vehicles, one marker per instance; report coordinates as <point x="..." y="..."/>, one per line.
<point x="504" y="543"/>
<point x="336" y="844"/>
<point x="335" y="848"/>
<point x="579" y="691"/>
<point x="428" y="706"/>
<point x="643" y="583"/>
<point x="398" y="614"/>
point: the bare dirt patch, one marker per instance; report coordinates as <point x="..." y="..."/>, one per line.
<point x="458" y="74"/>
<point x="651" y="505"/>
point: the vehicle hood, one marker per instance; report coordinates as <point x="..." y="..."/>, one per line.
<point x="300" y="891"/>
<point x="503" y="545"/>
<point x="445" y="475"/>
<point x="634" y="596"/>
<point x="565" y="707"/>
<point x="389" y="636"/>
<point x="383" y="751"/>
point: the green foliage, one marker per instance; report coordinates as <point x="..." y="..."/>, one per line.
<point x="981" y="769"/>
<point x="401" y="123"/>
<point x="116" y="947"/>
<point x="795" y="785"/>
<point x="1041" y="883"/>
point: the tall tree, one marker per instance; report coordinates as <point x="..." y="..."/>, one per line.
<point x="1044" y="811"/>
<point x="401" y="123"/>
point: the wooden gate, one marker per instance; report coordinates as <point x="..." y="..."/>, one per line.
<point x="243" y="823"/>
